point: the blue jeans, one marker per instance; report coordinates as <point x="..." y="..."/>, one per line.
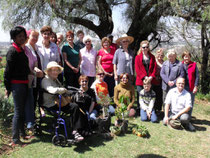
<point x="192" y="100"/>
<point x="139" y="88"/>
<point x="19" y="92"/>
<point x="29" y="109"/>
<point x="144" y="116"/>
<point x="94" y="113"/>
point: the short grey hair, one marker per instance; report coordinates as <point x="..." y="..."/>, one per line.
<point x="171" y="52"/>
<point x="87" y="38"/>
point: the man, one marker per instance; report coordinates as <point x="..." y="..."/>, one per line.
<point x="177" y="105"/>
<point x="79" y="43"/>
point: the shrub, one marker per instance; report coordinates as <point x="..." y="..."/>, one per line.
<point x="6" y="108"/>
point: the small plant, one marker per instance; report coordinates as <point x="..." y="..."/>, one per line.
<point x="104" y="101"/>
<point x="140" y="131"/>
<point x="121" y="111"/>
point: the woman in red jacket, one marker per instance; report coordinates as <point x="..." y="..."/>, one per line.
<point x="145" y="66"/>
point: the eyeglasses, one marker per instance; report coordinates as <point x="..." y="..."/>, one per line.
<point x="87" y="41"/>
<point x="101" y="74"/>
<point x="181" y="83"/>
<point x="125" y="41"/>
<point x="145" y="47"/>
<point x="124" y="78"/>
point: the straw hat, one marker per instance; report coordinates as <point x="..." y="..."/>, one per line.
<point x="51" y="65"/>
<point x="125" y="36"/>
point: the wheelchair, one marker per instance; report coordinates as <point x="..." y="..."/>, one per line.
<point x="59" y="123"/>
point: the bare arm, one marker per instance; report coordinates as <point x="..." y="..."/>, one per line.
<point x="115" y="72"/>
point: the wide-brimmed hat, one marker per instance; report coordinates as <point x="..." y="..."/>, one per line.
<point x="51" y="65"/>
<point x="125" y="36"/>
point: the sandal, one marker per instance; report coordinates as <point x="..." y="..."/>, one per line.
<point x="78" y="137"/>
<point x="18" y="143"/>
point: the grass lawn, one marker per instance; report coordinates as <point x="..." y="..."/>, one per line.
<point x="163" y="142"/>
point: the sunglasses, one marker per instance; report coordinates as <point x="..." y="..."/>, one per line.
<point x="145" y="47"/>
<point x="87" y="41"/>
<point x="101" y="74"/>
<point x="125" y="41"/>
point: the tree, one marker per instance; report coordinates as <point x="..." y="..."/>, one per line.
<point x="96" y="15"/>
<point x="198" y="11"/>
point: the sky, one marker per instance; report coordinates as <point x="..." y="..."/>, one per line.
<point x="116" y="15"/>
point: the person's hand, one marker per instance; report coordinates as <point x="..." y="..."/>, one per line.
<point x="128" y="108"/>
<point x="76" y="70"/>
<point x="174" y="117"/>
<point x="7" y="93"/>
<point x="148" y="114"/>
<point x="150" y="78"/>
<point x="170" y="83"/>
<point x="40" y="74"/>
<point x="116" y="77"/>
<point x="195" y="89"/>
<point x="166" y="119"/>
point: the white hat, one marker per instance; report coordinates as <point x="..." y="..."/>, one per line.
<point x="125" y="36"/>
<point x="51" y="65"/>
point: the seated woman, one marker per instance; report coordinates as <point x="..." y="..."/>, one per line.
<point x="51" y="84"/>
<point x="87" y="101"/>
<point x="101" y="90"/>
<point x="124" y="88"/>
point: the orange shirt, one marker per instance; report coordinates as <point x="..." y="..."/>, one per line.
<point x="102" y="87"/>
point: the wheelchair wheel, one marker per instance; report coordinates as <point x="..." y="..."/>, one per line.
<point x="59" y="140"/>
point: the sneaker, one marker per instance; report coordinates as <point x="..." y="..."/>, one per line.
<point x="191" y="127"/>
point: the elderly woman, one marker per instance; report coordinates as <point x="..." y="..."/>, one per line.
<point x="53" y="87"/>
<point x="190" y="72"/>
<point x="170" y="71"/>
<point x="104" y="61"/>
<point x="145" y="66"/>
<point x="72" y="60"/>
<point x="88" y="60"/>
<point x="157" y="81"/>
<point x="124" y="88"/>
<point x="16" y="81"/>
<point x="49" y="50"/>
<point x="123" y="58"/>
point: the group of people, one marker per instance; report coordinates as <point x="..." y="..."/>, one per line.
<point x="52" y="67"/>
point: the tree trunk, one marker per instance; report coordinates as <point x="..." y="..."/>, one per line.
<point x="204" y="67"/>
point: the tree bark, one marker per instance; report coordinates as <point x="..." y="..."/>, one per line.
<point x="205" y="45"/>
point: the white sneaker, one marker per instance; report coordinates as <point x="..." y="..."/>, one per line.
<point x="191" y="127"/>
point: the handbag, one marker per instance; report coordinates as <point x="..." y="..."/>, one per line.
<point x="65" y="100"/>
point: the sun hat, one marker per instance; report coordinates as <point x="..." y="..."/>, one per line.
<point x="176" y="124"/>
<point x="51" y="65"/>
<point x="125" y="36"/>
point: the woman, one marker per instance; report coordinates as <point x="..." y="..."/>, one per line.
<point x="123" y="58"/>
<point x="104" y="61"/>
<point x="145" y="66"/>
<point x="72" y="61"/>
<point x="127" y="90"/>
<point x="157" y="81"/>
<point x="48" y="49"/>
<point x="16" y="81"/>
<point x="88" y="102"/>
<point x="53" y="37"/>
<point x="33" y="38"/>
<point x="190" y="72"/>
<point x="52" y="85"/>
<point x="170" y="71"/>
<point x="88" y="60"/>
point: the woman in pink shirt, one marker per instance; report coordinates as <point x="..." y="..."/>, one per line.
<point x="104" y="61"/>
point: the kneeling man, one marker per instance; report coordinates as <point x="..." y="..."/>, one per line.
<point x="177" y="105"/>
